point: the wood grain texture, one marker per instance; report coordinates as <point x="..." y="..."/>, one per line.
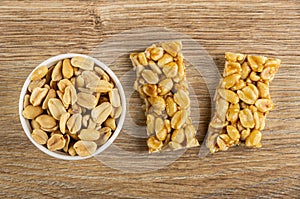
<point x="32" y="31"/>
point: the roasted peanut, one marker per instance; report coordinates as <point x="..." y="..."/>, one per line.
<point x="114" y="97"/>
<point x="171" y="106"/>
<point x="31" y="112"/>
<point x="161" y="135"/>
<point x="234" y="57"/>
<point x="221" y="144"/>
<point x="158" y="103"/>
<point x="39" y="136"/>
<point x="154" y="144"/>
<point x="56" y="108"/>
<point x="105" y="133"/>
<point x="86" y="100"/>
<point x="142" y="59"/>
<point x="249" y="94"/>
<point x="263" y="89"/>
<point x="89" y="134"/>
<point x="246" y="118"/>
<point x="221" y="108"/>
<point x="35" y="124"/>
<point x="150" y="77"/>
<point x="166" y="58"/>
<point x="156" y="53"/>
<point x="230" y="80"/>
<point x="254" y="139"/>
<point x="173" y="48"/>
<point x="37" y="83"/>
<point x="70" y="96"/>
<point x="256" y="62"/>
<point x="239" y="85"/>
<point x="37" y="96"/>
<point x="46" y="121"/>
<point x="254" y="77"/>
<point x="79" y="81"/>
<point x="150" y="124"/>
<point x="63" y="121"/>
<point x="179" y="119"/>
<point x="101" y="112"/>
<point x="165" y="86"/>
<point x="51" y="94"/>
<point x="260" y="120"/>
<point x="182" y="99"/>
<point x="116" y="112"/>
<point x="159" y="124"/>
<point x="268" y="73"/>
<point x="178" y="136"/>
<point x="233" y="132"/>
<point x="39" y="73"/>
<point x="101" y="86"/>
<point x="150" y="89"/>
<point x="154" y="67"/>
<point x="246" y="70"/>
<point x="67" y="69"/>
<point x="264" y="105"/>
<point x="168" y="125"/>
<point x="83" y="63"/>
<point x="67" y="139"/>
<point x="85" y="148"/>
<point x="111" y="123"/>
<point x="57" y="72"/>
<point x="233" y="113"/>
<point x="56" y="142"/>
<point x="232" y="68"/>
<point x="229" y="95"/>
<point x="170" y="69"/>
<point x="90" y="78"/>
<point x="71" y="150"/>
<point x="62" y="84"/>
<point x="74" y="123"/>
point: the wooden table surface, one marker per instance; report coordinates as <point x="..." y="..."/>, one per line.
<point x="32" y="31"/>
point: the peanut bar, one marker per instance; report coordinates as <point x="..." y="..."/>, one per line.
<point x="242" y="102"/>
<point x="161" y="83"/>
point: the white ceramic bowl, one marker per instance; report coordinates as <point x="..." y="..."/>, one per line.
<point x="27" y="127"/>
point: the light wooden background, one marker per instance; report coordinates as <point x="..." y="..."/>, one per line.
<point x="32" y="31"/>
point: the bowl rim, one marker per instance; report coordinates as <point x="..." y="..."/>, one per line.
<point x="25" y="122"/>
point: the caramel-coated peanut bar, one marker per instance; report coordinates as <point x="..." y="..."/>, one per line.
<point x="242" y="102"/>
<point x="161" y="82"/>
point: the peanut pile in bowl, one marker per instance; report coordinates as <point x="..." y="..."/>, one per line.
<point x="73" y="106"/>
